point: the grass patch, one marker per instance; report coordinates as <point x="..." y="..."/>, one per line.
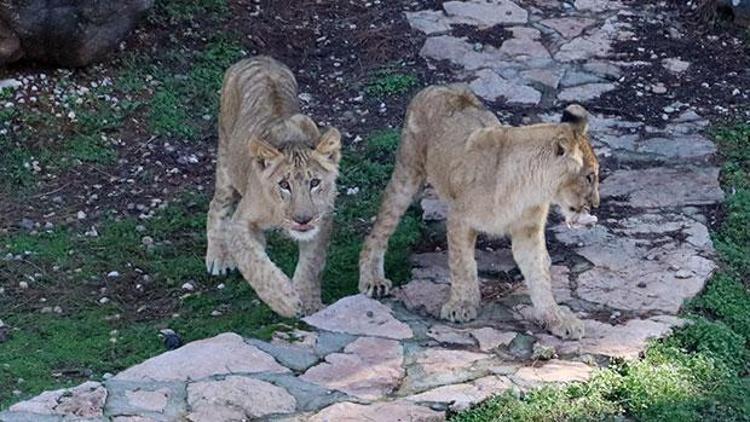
<point x="386" y="83"/>
<point x="701" y="371"/>
<point x="50" y="351"/>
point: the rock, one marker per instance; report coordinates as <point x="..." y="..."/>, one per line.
<point x="377" y="412"/>
<point x="368" y="369"/>
<point x="548" y="77"/>
<point x="423" y="296"/>
<point x="461" y="52"/>
<point x="171" y="339"/>
<point x="524" y="45"/>
<point x="521" y="346"/>
<point x="585" y="92"/>
<point x="553" y="371"/>
<point x="675" y="65"/>
<point x="223" y="354"/>
<point x="10" y="84"/>
<point x="491" y="86"/>
<point x="188" y="287"/>
<point x="151" y="401"/>
<point x="4" y="332"/>
<point x="236" y="398"/>
<point x="575" y="78"/>
<point x="663" y="187"/>
<point x="437" y="366"/>
<point x="460" y="397"/>
<point x="625" y="341"/>
<point x="449" y="335"/>
<point x="490" y="338"/>
<point x="485" y="13"/>
<point x="65" y="32"/>
<point x="433" y="209"/>
<point x="693" y="146"/>
<point x="603" y="68"/>
<point x="568" y="27"/>
<point x="429" y="21"/>
<point x="597" y="5"/>
<point x="360" y="315"/>
<point x="542" y="352"/>
<point x="659" y="88"/>
<point x="295" y="356"/>
<point x="84" y="401"/>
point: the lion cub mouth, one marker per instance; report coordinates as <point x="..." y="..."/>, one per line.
<point x="581" y="219"/>
<point x="303" y="228"/>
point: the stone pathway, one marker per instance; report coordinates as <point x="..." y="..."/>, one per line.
<point x="384" y="361"/>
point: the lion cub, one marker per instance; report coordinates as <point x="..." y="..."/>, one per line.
<point x="496" y="179"/>
<point x="274" y="170"/>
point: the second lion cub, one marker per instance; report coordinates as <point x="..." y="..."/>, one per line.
<point x="496" y="179"/>
<point x="275" y="170"/>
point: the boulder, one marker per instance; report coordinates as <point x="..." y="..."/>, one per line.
<point x="65" y="32"/>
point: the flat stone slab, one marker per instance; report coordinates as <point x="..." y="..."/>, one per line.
<point x="378" y="412"/>
<point x="663" y="187"/>
<point x="568" y="27"/>
<point x="224" y="354"/>
<point x="435" y="366"/>
<point x="491" y="86"/>
<point x="585" y="92"/>
<point x="368" y="369"/>
<point x="84" y="401"/>
<point x="460" y="397"/>
<point x="554" y="371"/>
<point x="236" y="398"/>
<point x="360" y="315"/>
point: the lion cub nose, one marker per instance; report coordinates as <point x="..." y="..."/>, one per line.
<point x="302" y="219"/>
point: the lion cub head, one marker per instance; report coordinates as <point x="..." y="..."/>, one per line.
<point x="578" y="190"/>
<point x="298" y="167"/>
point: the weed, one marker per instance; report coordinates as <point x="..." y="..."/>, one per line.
<point x="387" y="83"/>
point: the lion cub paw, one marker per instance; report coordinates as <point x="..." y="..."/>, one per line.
<point x="290" y="307"/>
<point x="219" y="261"/>
<point x="565" y="324"/>
<point x="460" y="311"/>
<point x="375" y="287"/>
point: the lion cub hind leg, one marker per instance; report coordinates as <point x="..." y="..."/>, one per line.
<point x="310" y="266"/>
<point x="405" y="181"/>
<point x="270" y="283"/>
<point x="530" y="253"/>
<point x="464" y="300"/>
<point x="219" y="259"/>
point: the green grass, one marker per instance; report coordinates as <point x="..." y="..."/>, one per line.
<point x="73" y="267"/>
<point x="699" y="373"/>
<point x="387" y="83"/>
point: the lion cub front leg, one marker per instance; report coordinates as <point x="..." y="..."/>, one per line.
<point x="219" y="259"/>
<point x="464" y="300"/>
<point x="530" y="253"/>
<point x="310" y="266"/>
<point x="270" y="283"/>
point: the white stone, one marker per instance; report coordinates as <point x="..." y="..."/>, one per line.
<point x="151" y="401"/>
<point x="224" y="354"/>
<point x="585" y="92"/>
<point x="664" y="187"/>
<point x="568" y="27"/>
<point x="557" y="371"/>
<point x="491" y="86"/>
<point x="462" y="396"/>
<point x="236" y="398"/>
<point x="675" y="65"/>
<point x="377" y="412"/>
<point x="360" y="315"/>
<point x="490" y="338"/>
<point x="84" y="401"/>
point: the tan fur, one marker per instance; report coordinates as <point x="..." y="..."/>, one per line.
<point x="274" y="171"/>
<point x="496" y="179"/>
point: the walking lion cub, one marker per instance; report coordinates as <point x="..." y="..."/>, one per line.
<point x="496" y="179"/>
<point x="274" y="170"/>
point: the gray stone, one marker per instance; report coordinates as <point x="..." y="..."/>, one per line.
<point x="433" y="209"/>
<point x="548" y="77"/>
<point x="9" y="84"/>
<point x="309" y="396"/>
<point x="423" y="296"/>
<point x="449" y="335"/>
<point x="491" y="86"/>
<point x="429" y="21"/>
<point x="295" y="357"/>
<point x="224" y="354"/>
<point x="236" y="398"/>
<point x="524" y="45"/>
<point x="490" y="338"/>
<point x="568" y="27"/>
<point x="603" y="68"/>
<point x="598" y="44"/>
<point x="368" y="369"/>
<point x="554" y="371"/>
<point x="157" y="401"/>
<point x="360" y="315"/>
<point x="663" y="187"/>
<point x="688" y="147"/>
<point x="433" y="367"/>
<point x="575" y="78"/>
<point x="460" y="52"/>
<point x="586" y="92"/>
<point x="485" y="13"/>
<point x="675" y="65"/>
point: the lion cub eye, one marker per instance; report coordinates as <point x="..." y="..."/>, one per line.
<point x="314" y="183"/>
<point x="590" y="178"/>
<point x="284" y="185"/>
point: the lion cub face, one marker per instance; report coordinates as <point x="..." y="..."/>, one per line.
<point x="298" y="167"/>
<point x="578" y="191"/>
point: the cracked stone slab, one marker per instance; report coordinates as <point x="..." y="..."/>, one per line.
<point x="450" y="335"/>
<point x="553" y="371"/>
<point x="570" y="26"/>
<point x="236" y="398"/>
<point x="490" y="338"/>
<point x="624" y="340"/>
<point x="423" y="296"/>
<point x="675" y="65"/>
<point x="486" y="13"/>
<point x="360" y="315"/>
<point x="292" y="356"/>
<point x="377" y="412"/>
<point x="663" y="187"/>
<point x="84" y="401"/>
<point x="460" y="397"/>
<point x="158" y="401"/>
<point x="524" y="45"/>
<point x="368" y="369"/>
<point x="491" y="86"/>
<point x="461" y="52"/>
<point x="309" y="396"/>
<point x="548" y="77"/>
<point x="224" y="354"/>
<point x="585" y="92"/>
<point x="432" y="367"/>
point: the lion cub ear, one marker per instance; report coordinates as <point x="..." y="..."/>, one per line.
<point x="577" y="117"/>
<point x="329" y="145"/>
<point x="263" y="152"/>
